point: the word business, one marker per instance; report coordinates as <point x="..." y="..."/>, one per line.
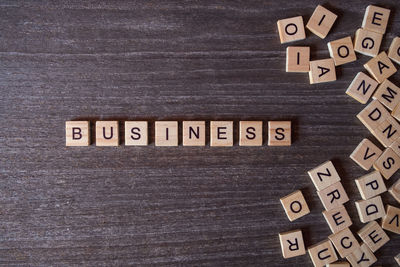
<point x="166" y="133"/>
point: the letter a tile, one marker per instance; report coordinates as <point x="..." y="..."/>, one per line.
<point x="322" y="71"/>
<point x="380" y="67"/>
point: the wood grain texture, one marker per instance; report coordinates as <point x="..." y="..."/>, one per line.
<point x="167" y="60"/>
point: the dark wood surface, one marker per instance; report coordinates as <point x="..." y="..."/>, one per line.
<point x="120" y="206"/>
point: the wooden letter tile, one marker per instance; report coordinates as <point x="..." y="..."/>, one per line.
<point x="194" y="133"/>
<point x="373" y="115"/>
<point x="339" y="264"/>
<point x="387" y="132"/>
<point x="77" y="133"/>
<point x="394" y="50"/>
<point x="279" y="133"/>
<point x="250" y="133"/>
<point x="365" y="154"/>
<point x="362" y="87"/>
<point x="321" y="21"/>
<point x="292" y="244"/>
<point x="380" y="67"/>
<point x="391" y="221"/>
<point x="322" y="253"/>
<point x="136" y="133"/>
<point x="166" y="133"/>
<point x="362" y="257"/>
<point x="291" y="29"/>
<point x="371" y="209"/>
<point x="388" y="94"/>
<point x="297" y="59"/>
<point x="373" y="236"/>
<point x="367" y="42"/>
<point x="371" y="185"/>
<point x="333" y="196"/>
<point x="295" y="205"/>
<point x="376" y="19"/>
<point x="221" y="133"/>
<point x="394" y="190"/>
<point x="342" y="51"/>
<point x="322" y="71"/>
<point x="324" y="175"/>
<point x="344" y="242"/>
<point x="388" y="163"/>
<point x="107" y="133"/>
<point x="337" y="219"/>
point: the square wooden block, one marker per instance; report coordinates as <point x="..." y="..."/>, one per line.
<point x="391" y="221"/>
<point x="250" y="133"/>
<point x="394" y="50"/>
<point x="371" y="185"/>
<point x="365" y="154"/>
<point x="344" y="242"/>
<point x="373" y="115"/>
<point x="194" y="133"/>
<point x="292" y="243"/>
<point x="322" y="71"/>
<point x="342" y="51"/>
<point x="388" y="163"/>
<point x="107" y="133"/>
<point x="339" y="264"/>
<point x="279" y="133"/>
<point x="77" y="133"/>
<point x="362" y="87"/>
<point x="376" y="18"/>
<point x="394" y="190"/>
<point x="367" y="42"/>
<point x="136" y="133"/>
<point x="388" y="94"/>
<point x="324" y="175"/>
<point x="322" y="253"/>
<point x="387" y="132"/>
<point x="221" y="133"/>
<point x="371" y="209"/>
<point x="333" y="196"/>
<point x="295" y="205"/>
<point x="337" y="219"/>
<point x="291" y="29"/>
<point x="297" y="59"/>
<point x="321" y="21"/>
<point x="380" y="67"/>
<point x="362" y="257"/>
<point x="166" y="133"/>
<point x="373" y="236"/>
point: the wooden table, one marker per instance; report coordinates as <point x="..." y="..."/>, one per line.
<point x="157" y="60"/>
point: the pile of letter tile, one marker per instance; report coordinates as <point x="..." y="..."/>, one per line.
<point x="380" y="116"/>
